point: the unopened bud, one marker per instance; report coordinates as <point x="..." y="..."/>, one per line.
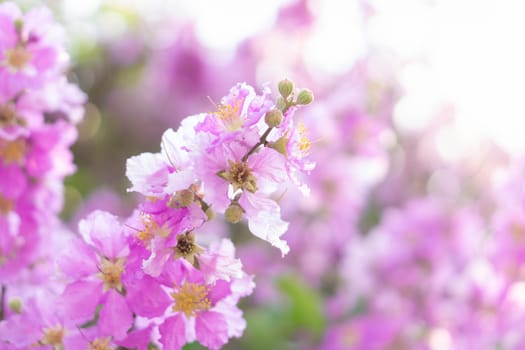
<point x="305" y="97"/>
<point x="280" y="145"/>
<point x="280" y="103"/>
<point x="184" y="198"/>
<point x="18" y="25"/>
<point x="233" y="213"/>
<point x="285" y="87"/>
<point x="15" y="305"/>
<point x="273" y="118"/>
<point x="210" y="214"/>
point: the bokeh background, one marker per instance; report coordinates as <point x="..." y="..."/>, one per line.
<point x="413" y="234"/>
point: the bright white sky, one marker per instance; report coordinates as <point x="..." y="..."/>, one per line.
<point x="469" y="53"/>
<point x="473" y="53"/>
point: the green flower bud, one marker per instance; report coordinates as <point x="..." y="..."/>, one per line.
<point x="305" y="97"/>
<point x="210" y="214"/>
<point x="15" y="305"/>
<point x="184" y="198"/>
<point x="280" y="103"/>
<point x="285" y="87"/>
<point x="234" y="213"/>
<point x="273" y="118"/>
<point x="19" y="24"/>
<point x="280" y="145"/>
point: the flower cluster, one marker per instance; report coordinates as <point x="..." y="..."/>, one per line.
<point x="159" y="278"/>
<point x="38" y="110"/>
<point x="230" y="161"/>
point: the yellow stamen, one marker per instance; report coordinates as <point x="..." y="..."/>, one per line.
<point x="190" y="298"/>
<point x="101" y="344"/>
<point x="517" y="232"/>
<point x="230" y="116"/>
<point x="13" y="151"/>
<point x="304" y="141"/>
<point x="6" y="205"/>
<point x="151" y="229"/>
<point x="54" y="337"/>
<point x="17" y="58"/>
<point x="110" y="273"/>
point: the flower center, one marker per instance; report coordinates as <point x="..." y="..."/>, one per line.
<point x="230" y="116"/>
<point x="17" y="58"/>
<point x="186" y="247"/>
<point x="240" y="176"/>
<point x="101" y="344"/>
<point x="110" y="272"/>
<point x="8" y="115"/>
<point x="53" y="336"/>
<point x="151" y="229"/>
<point x="6" y="205"/>
<point x="190" y="298"/>
<point x="517" y="232"/>
<point x="350" y="337"/>
<point x="13" y="151"/>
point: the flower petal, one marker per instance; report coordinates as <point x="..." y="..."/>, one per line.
<point x="147" y="298"/>
<point x="115" y="317"/>
<point x="173" y="333"/>
<point x="264" y="219"/>
<point x="148" y="174"/>
<point x="105" y="232"/>
<point x="79" y="301"/>
<point x="211" y="329"/>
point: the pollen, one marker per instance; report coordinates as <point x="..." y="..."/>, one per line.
<point x="13" y="151"/>
<point x="191" y="298"/>
<point x="111" y="272"/>
<point x="304" y="142"/>
<point x="17" y="58"/>
<point x="101" y="344"/>
<point x="151" y="229"/>
<point x="53" y="336"/>
<point x="231" y="116"/>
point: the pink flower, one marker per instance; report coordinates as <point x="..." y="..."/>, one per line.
<point x="31" y="54"/>
<point x="362" y="333"/>
<point x="219" y="262"/>
<point x="237" y="112"/>
<point x="34" y="141"/>
<point x="158" y="228"/>
<point x="157" y="174"/>
<point x="97" y="265"/>
<point x="193" y="314"/>
<point x="227" y="177"/>
<point x="39" y="325"/>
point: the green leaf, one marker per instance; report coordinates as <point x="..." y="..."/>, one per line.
<point x="193" y="346"/>
<point x="264" y="331"/>
<point x="305" y="308"/>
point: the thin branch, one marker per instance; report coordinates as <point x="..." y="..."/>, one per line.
<point x="2" y="302"/>
<point x="261" y="142"/>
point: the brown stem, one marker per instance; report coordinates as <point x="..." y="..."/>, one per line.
<point x="262" y="141"/>
<point x="2" y="302"/>
<point x="203" y="203"/>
